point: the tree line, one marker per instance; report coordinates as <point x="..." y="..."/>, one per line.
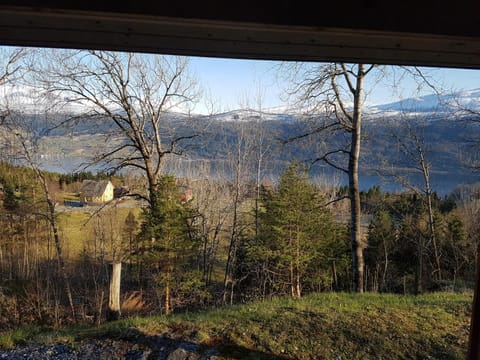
<point x="290" y="242"/>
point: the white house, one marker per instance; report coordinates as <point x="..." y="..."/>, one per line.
<point x="96" y="192"/>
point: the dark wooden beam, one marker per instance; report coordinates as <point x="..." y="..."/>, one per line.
<point x="223" y="37"/>
<point x="440" y="17"/>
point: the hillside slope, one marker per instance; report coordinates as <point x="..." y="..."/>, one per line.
<point x="322" y="326"/>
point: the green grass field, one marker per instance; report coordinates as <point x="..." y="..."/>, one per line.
<point x="71" y="197"/>
<point x="77" y="226"/>
<point x="320" y="326"/>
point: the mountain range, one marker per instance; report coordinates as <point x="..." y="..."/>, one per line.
<point x="443" y="103"/>
<point x="449" y="137"/>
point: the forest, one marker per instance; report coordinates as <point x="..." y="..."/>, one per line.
<point x="212" y="238"/>
<point x="286" y="242"/>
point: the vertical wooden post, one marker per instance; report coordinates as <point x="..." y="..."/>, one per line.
<point x="113" y="312"/>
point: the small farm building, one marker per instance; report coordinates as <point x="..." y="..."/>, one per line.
<point x="96" y="192"/>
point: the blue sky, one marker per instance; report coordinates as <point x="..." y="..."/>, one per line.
<point x="233" y="82"/>
<point x="230" y="82"/>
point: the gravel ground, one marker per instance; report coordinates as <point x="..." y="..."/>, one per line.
<point x="155" y="349"/>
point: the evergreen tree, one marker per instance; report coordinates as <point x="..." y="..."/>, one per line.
<point x="171" y="245"/>
<point x="293" y="248"/>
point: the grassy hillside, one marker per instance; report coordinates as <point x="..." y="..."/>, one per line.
<point x="322" y="326"/>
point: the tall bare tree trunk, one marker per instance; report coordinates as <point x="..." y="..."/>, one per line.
<point x="167" y="299"/>
<point x="58" y="247"/>
<point x="228" y="278"/>
<point x="334" y="276"/>
<point x="419" y="274"/>
<point x="257" y="195"/>
<point x="291" y="266"/>
<point x="385" y="267"/>
<point x="413" y="145"/>
<point x="292" y="280"/>
<point x="243" y="149"/>
<point x="431" y="227"/>
<point x="354" y="189"/>
<point x="298" y="288"/>
<point x="333" y="89"/>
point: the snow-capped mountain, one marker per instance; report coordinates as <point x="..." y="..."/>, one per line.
<point x="456" y="101"/>
<point x="71" y="146"/>
<point x="431" y="104"/>
<point x="250" y="115"/>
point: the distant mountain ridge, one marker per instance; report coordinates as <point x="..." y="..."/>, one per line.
<point x="446" y="140"/>
<point x="440" y="103"/>
<point x="436" y="102"/>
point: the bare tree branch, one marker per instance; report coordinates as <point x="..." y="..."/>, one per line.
<point x="131" y="91"/>
<point x="326" y="160"/>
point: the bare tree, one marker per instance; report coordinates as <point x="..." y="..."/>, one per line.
<point x="469" y="115"/>
<point x="26" y="142"/>
<point x="409" y="137"/>
<point x="261" y="150"/>
<point x="333" y="95"/>
<point x="12" y="68"/>
<point x="22" y="142"/>
<point x="131" y="95"/>
<point x="260" y="146"/>
<point x="468" y="200"/>
<point x="212" y="205"/>
<point x="239" y="165"/>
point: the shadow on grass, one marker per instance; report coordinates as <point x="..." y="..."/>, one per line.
<point x="235" y="352"/>
<point x="162" y="345"/>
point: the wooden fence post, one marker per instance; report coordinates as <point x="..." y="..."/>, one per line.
<point x="113" y="312"/>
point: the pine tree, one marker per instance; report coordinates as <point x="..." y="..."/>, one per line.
<point x="171" y="244"/>
<point x="295" y="234"/>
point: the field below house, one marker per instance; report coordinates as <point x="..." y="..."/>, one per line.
<point x="319" y="326"/>
<point x="79" y="225"/>
<point x="71" y="197"/>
